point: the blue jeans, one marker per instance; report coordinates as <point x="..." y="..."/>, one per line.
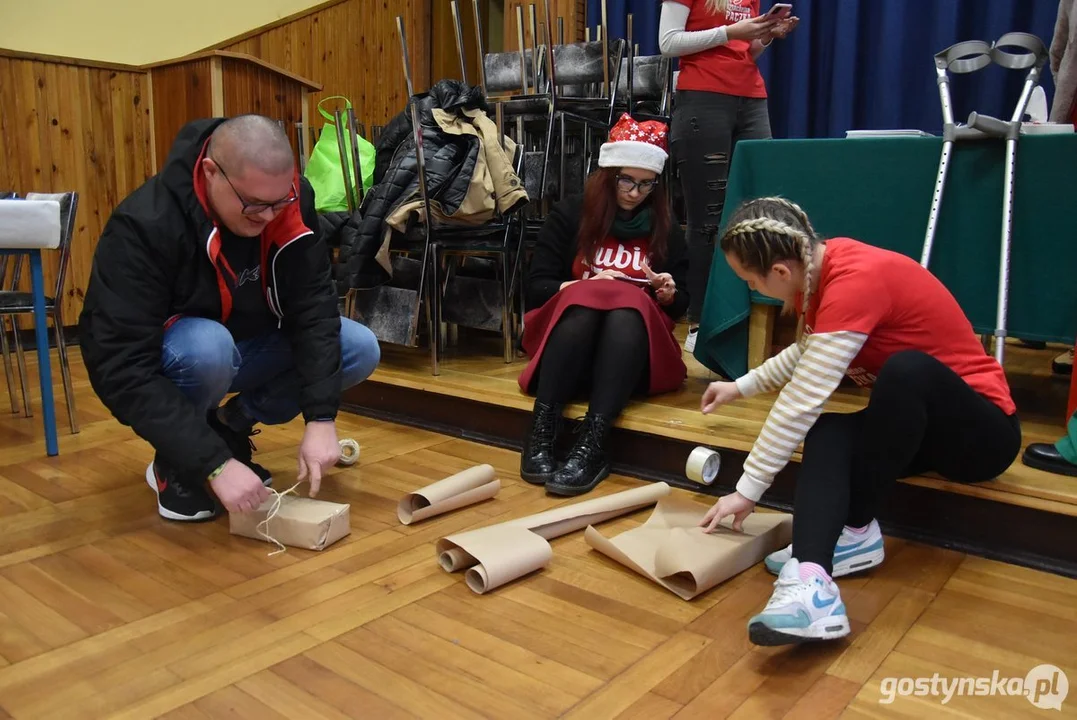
<point x="200" y="357"/>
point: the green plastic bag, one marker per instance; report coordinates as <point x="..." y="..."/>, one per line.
<point x="323" y="168"/>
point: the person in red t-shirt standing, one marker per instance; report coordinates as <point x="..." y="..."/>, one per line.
<point x="611" y="338"/>
<point x="939" y="403"/>
<point x="721" y="98"/>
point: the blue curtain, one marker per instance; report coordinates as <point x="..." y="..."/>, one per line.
<point x="868" y="64"/>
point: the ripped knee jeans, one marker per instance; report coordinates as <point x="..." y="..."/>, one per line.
<point x="706" y="127"/>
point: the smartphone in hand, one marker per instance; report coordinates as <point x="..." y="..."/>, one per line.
<point x="780" y="11"/>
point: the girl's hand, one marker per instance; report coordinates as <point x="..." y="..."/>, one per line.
<point x="736" y="505"/>
<point x="757" y="28"/>
<point x="784" y="27"/>
<point x="718" y="394"/>
<point x="664" y="286"/>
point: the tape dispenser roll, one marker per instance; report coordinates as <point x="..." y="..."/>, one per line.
<point x="349" y="452"/>
<point x="703" y="465"/>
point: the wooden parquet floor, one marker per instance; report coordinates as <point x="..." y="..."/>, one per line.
<point x="108" y="611"/>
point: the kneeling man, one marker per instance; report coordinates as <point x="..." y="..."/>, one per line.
<point x="213" y="278"/>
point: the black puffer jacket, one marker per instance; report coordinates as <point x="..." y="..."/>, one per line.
<point x="450" y="162"/>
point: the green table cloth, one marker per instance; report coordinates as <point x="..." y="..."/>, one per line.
<point x="878" y="191"/>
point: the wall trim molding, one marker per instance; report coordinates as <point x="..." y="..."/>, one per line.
<point x="63" y="60"/>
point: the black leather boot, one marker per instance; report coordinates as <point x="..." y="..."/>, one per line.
<point x="587" y="464"/>
<point x="537" y="462"/>
<point x="1045" y="456"/>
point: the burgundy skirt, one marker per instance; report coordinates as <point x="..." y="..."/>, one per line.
<point x="667" y="368"/>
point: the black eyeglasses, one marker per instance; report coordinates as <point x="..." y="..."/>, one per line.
<point x="626" y="184"/>
<point x="250" y="208"/>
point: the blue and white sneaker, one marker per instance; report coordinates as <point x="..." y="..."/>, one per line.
<point x="852" y="554"/>
<point x="799" y="611"/>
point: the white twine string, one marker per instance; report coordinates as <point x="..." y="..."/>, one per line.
<point x="274" y="509"/>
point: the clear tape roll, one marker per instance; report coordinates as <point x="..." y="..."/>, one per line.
<point x="703" y="465"/>
<point x="349" y="452"/>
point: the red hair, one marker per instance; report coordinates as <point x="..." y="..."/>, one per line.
<point x="600" y="209"/>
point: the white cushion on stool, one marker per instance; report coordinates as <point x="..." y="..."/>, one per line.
<point x="29" y="224"/>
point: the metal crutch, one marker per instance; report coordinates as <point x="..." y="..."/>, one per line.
<point x="1033" y="60"/>
<point x="964" y="57"/>
<point x="969" y="57"/>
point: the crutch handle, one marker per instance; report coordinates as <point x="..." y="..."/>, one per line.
<point x="993" y="126"/>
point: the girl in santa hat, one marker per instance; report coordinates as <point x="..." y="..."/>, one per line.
<point x="606" y="283"/>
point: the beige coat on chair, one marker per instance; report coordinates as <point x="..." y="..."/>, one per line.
<point x="495" y="187"/>
<point x="1064" y="62"/>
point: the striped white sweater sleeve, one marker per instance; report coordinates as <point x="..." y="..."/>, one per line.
<point x="772" y="374"/>
<point x="816" y="374"/>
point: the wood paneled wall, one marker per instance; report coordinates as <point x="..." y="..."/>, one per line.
<point x="180" y="94"/>
<point x="352" y="48"/>
<point x="573" y="13"/>
<point x="445" y="59"/>
<point x="250" y="88"/>
<point x="73" y="126"/>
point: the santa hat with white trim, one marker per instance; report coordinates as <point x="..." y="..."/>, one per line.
<point x="636" y="145"/>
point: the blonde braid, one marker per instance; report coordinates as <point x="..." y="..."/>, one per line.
<point x="807" y="257"/>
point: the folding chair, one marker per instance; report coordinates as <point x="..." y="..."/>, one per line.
<point x="14" y="303"/>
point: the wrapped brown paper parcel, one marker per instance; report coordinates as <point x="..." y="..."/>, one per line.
<point x="299" y="522"/>
<point x="498" y="554"/>
<point x="673" y="551"/>
<point x="464" y="488"/>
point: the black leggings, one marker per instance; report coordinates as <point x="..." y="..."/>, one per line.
<point x="706" y="127"/>
<point x="609" y="348"/>
<point x="921" y="417"/>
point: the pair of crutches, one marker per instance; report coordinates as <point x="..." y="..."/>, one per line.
<point x="968" y="57"/>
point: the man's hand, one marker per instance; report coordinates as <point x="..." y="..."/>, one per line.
<point x="718" y="394"/>
<point x="319" y="451"/>
<point x="736" y="505"/>
<point x="238" y="488"/>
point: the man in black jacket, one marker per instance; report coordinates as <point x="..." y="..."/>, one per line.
<point x="212" y="278"/>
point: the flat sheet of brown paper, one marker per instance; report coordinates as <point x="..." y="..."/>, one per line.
<point x="464" y="488"/>
<point x="673" y="551"/>
<point x="300" y="522"/>
<point x="498" y="554"/>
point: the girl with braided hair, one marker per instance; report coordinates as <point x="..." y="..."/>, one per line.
<point x="939" y="403"/>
